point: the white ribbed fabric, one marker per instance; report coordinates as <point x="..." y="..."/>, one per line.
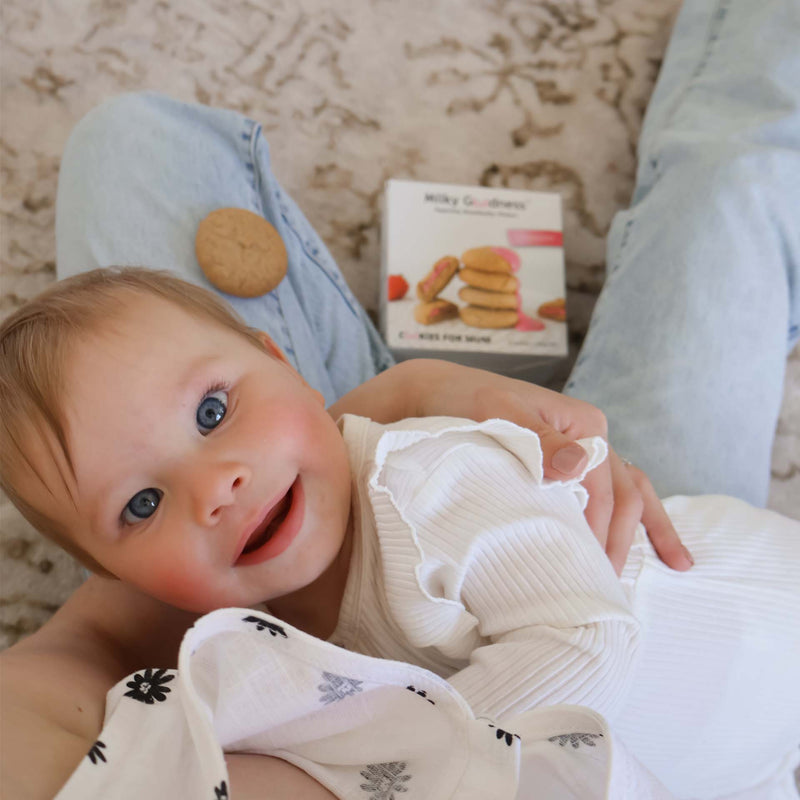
<point x="715" y="707"/>
<point x="501" y="588"/>
<point x="470" y="564"/>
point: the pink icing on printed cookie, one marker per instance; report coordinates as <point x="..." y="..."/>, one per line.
<point x="524" y="322"/>
<point x="508" y="255"/>
<point x="438" y="268"/>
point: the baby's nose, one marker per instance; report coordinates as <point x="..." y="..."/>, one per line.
<point x="216" y="487"/>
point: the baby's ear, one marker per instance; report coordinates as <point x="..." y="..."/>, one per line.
<point x="272" y="348"/>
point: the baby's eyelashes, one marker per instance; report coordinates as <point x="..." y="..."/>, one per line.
<point x="141" y="506"/>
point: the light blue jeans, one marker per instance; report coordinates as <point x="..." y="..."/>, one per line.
<point x="138" y="174"/>
<point x="687" y="347"/>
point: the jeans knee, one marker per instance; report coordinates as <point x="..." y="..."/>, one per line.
<point x="741" y="170"/>
<point x="108" y="125"/>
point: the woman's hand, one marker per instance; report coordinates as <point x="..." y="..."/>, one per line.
<point x="620" y="495"/>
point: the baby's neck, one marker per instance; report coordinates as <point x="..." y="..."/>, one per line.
<point x="315" y="608"/>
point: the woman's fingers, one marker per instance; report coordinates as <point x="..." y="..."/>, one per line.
<point x="659" y="527"/>
<point x="620" y="496"/>
<point x="600" y="507"/>
<point x="562" y="457"/>
<point x="636" y="500"/>
<point x="628" y="507"/>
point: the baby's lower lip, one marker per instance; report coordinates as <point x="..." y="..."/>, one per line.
<point x="267" y="527"/>
<point x="282" y="537"/>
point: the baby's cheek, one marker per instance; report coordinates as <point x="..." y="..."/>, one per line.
<point x="180" y="583"/>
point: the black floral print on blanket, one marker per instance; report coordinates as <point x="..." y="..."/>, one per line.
<point x="148" y="686"/>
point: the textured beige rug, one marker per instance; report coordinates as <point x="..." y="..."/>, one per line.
<point x="531" y="94"/>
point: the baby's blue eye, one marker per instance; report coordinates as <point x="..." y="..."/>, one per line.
<point x="141" y="506"/>
<point x="211" y="410"/>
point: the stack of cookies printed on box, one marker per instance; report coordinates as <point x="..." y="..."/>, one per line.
<point x="491" y="293"/>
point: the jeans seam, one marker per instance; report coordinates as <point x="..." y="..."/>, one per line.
<point x="251" y="136"/>
<point x="712" y="37"/>
<point x="336" y="279"/>
<point x="715" y="27"/>
<point x="714" y="31"/>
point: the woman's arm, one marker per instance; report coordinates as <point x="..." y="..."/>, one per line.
<point x="620" y="496"/>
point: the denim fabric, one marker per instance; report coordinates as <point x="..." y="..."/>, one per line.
<point x="139" y="173"/>
<point x="689" y="337"/>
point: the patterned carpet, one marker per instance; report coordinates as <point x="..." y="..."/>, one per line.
<point x="541" y="95"/>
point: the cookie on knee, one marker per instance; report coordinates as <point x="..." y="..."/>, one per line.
<point x="240" y="252"/>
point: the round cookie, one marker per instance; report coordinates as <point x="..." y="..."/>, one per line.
<point x="493" y="281"/>
<point x="435" y="311"/>
<point x="491" y="259"/>
<point x="485" y="299"/>
<point x="488" y="317"/>
<point x="240" y="252"/>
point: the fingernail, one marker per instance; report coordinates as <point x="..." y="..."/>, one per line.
<point x="688" y="556"/>
<point x="568" y="458"/>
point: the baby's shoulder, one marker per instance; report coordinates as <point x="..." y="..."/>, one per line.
<point x="52" y="711"/>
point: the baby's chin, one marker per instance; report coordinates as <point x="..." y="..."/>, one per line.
<point x="204" y="602"/>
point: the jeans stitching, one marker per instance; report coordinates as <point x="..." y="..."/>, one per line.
<point x="250" y="135"/>
<point x="715" y="27"/>
<point x="333" y="276"/>
<point x="714" y="31"/>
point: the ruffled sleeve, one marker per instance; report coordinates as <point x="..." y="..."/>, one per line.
<point x="486" y="560"/>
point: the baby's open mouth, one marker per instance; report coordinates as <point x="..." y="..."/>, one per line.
<point x="275" y="517"/>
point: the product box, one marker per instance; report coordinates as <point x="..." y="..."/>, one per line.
<point x="474" y="275"/>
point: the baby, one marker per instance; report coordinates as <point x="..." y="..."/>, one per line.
<point x="165" y="444"/>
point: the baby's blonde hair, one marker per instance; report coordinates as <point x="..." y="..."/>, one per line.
<point x="34" y="343"/>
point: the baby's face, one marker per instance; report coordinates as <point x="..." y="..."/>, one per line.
<point x="207" y="473"/>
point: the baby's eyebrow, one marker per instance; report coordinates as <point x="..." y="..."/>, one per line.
<point x="187" y="376"/>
